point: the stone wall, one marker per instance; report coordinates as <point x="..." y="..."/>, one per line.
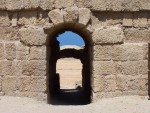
<point x="119" y="37"/>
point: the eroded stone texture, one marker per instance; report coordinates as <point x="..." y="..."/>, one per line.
<point x="2" y="54"/>
<point x="132" y="68"/>
<point x="38" y="53"/>
<point x="9" y="84"/>
<point x="38" y="84"/>
<point x="43" y="18"/>
<point x="71" y="14"/>
<point x="99" y="84"/>
<point x="108" y="36"/>
<point x="32" y="36"/>
<point x="2" y="4"/>
<point x="84" y="15"/>
<point x="128" y="19"/>
<point x="102" y="52"/>
<point x="140" y="19"/>
<point x="10" y="51"/>
<point x="4" y="19"/>
<point x="137" y="36"/>
<point x="10" y="68"/>
<point x="118" y="48"/>
<point x="8" y="33"/>
<point x="13" y="4"/>
<point x="104" y="68"/>
<point x="27" y="18"/>
<point x="23" y="83"/>
<point x="34" y="68"/>
<point x="22" y="51"/>
<point x="28" y="4"/>
<point x="63" y="3"/>
<point x="47" y="4"/>
<point x="129" y="52"/>
<point x="56" y="16"/>
<point x="14" y="20"/>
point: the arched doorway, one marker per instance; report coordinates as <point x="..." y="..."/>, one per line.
<point x="54" y="53"/>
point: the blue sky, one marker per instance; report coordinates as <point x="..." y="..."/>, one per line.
<point x="70" y="38"/>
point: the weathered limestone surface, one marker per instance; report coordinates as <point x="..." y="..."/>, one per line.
<point x="137" y="36"/>
<point x="32" y="36"/>
<point x="38" y="53"/>
<point x="4" y="19"/>
<point x="117" y="33"/>
<point x="34" y="68"/>
<point x="10" y="51"/>
<point x="108" y="36"/>
<point x="71" y="14"/>
<point x="96" y="5"/>
<point x="56" y="16"/>
<point x="84" y="15"/>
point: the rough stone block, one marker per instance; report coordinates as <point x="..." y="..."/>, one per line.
<point x="122" y="82"/>
<point x="22" y="52"/>
<point x="71" y="14"/>
<point x="97" y="20"/>
<point x="16" y="68"/>
<point x="34" y="68"/>
<point x="13" y="4"/>
<point x="137" y="36"/>
<point x="43" y="18"/>
<point x="131" y="83"/>
<point x="10" y="51"/>
<point x="103" y="68"/>
<point x="9" y="68"/>
<point x="143" y="84"/>
<point x="56" y="16"/>
<point x="102" y="52"/>
<point x="38" y="53"/>
<point x="108" y="36"/>
<point x="132" y="67"/>
<point x="84" y="15"/>
<point x="9" y="84"/>
<point x="27" y="18"/>
<point x="8" y="33"/>
<point x="28" y="4"/>
<point x="63" y="3"/>
<point x="127" y="19"/>
<point x="112" y="18"/>
<point x="14" y="20"/>
<point x="111" y="84"/>
<point x="4" y="19"/>
<point x="2" y="4"/>
<point x="132" y="52"/>
<point x="99" y="84"/>
<point x="33" y="36"/>
<point x="0" y="84"/>
<point x="38" y="84"/>
<point x="2" y="55"/>
<point x="140" y="19"/>
<point x="24" y="83"/>
<point x="116" y="5"/>
<point x="47" y="4"/>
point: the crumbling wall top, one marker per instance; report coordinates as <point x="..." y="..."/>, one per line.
<point x="96" y="5"/>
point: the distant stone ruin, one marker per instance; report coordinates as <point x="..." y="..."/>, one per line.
<point x="115" y="57"/>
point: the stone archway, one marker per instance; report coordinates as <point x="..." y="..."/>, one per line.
<point x="54" y="53"/>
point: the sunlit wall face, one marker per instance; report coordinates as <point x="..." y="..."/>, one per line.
<point x="70" y="38"/>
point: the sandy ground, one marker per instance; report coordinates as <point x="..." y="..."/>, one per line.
<point x="125" y="104"/>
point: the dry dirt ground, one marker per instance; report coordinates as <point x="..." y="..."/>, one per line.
<point x="125" y="104"/>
